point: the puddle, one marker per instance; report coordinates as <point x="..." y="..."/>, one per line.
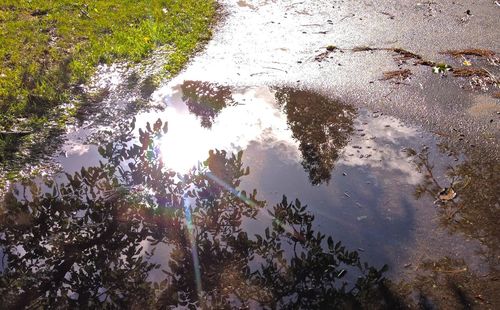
<point x="328" y="188"/>
<point x="150" y="222"/>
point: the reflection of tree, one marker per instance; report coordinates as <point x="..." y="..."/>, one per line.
<point x="88" y="241"/>
<point x="475" y="210"/>
<point x="321" y="126"/>
<point x="206" y="99"/>
<point x="447" y="283"/>
<point x="474" y="214"/>
<point x="459" y="286"/>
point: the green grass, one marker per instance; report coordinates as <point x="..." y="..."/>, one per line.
<point x="49" y="46"/>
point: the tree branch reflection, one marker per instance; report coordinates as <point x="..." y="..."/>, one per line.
<point x="321" y="126"/>
<point x="206" y="100"/>
<point x="475" y="180"/>
<point x="90" y="240"/>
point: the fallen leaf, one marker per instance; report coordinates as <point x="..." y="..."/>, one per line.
<point x="447" y="194"/>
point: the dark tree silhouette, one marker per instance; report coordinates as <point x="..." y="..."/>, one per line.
<point x="321" y="126"/>
<point x="206" y="99"/>
<point x="87" y="242"/>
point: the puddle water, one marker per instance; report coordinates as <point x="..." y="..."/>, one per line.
<point x="150" y="220"/>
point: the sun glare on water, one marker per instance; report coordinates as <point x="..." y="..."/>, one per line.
<point x="187" y="143"/>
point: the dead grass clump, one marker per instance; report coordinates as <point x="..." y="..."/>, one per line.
<point x="322" y="56"/>
<point x="363" y="49"/>
<point x="470" y="72"/>
<point x="405" y="54"/>
<point x="426" y="63"/>
<point x="397" y="74"/>
<point x="470" y="52"/>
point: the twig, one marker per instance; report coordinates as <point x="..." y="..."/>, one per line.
<point x="348" y="16"/>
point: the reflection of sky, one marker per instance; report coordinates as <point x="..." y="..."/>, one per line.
<point x="76" y="150"/>
<point x="109" y="77"/>
<point x="372" y="207"/>
<point x="254" y="118"/>
<point x="3" y="259"/>
<point x="368" y="203"/>
<point x="379" y="146"/>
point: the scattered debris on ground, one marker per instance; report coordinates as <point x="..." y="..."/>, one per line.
<point x="470" y="72"/>
<point x="470" y="52"/>
<point x="331" y="48"/>
<point x="480" y="76"/>
<point x="363" y="49"/>
<point x="362" y="218"/>
<point x="397" y="74"/>
<point x="322" y="56"/>
<point x="447" y="194"/>
<point x="402" y="55"/>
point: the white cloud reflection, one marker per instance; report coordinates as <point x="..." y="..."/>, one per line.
<point x="255" y="117"/>
<point x="376" y="144"/>
<point x="379" y="146"/>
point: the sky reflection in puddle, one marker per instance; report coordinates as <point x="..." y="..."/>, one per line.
<point x="237" y="125"/>
<point x="348" y="165"/>
<point x="354" y="169"/>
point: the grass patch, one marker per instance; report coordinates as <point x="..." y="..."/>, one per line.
<point x="47" y="47"/>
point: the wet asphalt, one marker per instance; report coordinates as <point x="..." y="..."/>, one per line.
<point x="342" y="50"/>
<point x="278" y="42"/>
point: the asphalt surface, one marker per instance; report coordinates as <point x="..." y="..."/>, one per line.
<point x="278" y="42"/>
